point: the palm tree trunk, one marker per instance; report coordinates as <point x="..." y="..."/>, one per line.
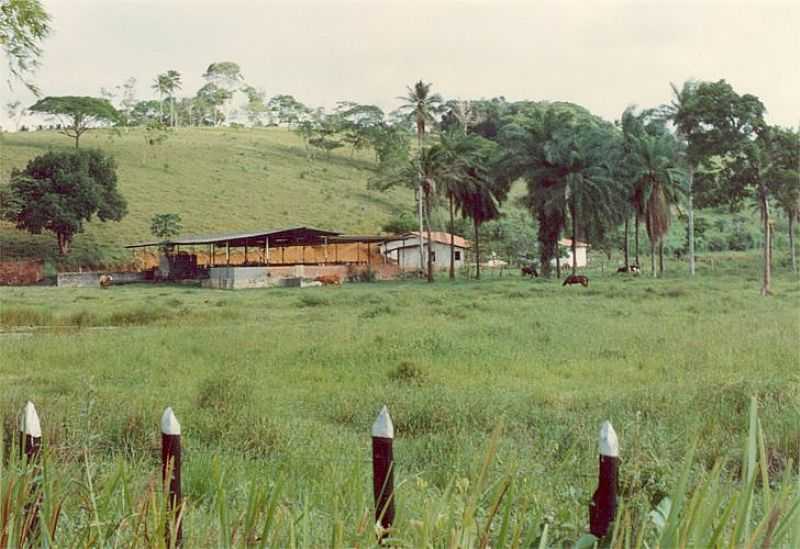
<point x="419" y="194"/>
<point x="574" y="236"/>
<point x="430" y="242"/>
<point x="691" y="219"/>
<point x="653" y="257"/>
<point x="636" y="241"/>
<point x="625" y="248"/>
<point x="452" y="241"/>
<point x="661" y="257"/>
<point x="792" y="250"/>
<point x="477" y="249"/>
<point x="558" y="263"/>
<point x="765" y="289"/>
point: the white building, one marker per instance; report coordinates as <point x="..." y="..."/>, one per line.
<point x="405" y="250"/>
<point x="581" y="251"/>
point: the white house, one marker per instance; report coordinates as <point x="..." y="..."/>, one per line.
<point x="405" y="250"/>
<point x="581" y="251"/>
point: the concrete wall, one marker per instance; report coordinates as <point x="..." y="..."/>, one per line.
<point x="234" y="278"/>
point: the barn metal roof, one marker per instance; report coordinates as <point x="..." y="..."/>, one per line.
<point x="277" y="237"/>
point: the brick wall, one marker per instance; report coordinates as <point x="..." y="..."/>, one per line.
<point x="21" y="272"/>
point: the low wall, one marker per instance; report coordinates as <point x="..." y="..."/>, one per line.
<point x="91" y="279"/>
<point x="21" y="272"/>
<point x="235" y="278"/>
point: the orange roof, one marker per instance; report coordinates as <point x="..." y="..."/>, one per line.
<point x="444" y="238"/>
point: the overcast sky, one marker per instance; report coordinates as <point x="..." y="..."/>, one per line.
<point x="603" y="55"/>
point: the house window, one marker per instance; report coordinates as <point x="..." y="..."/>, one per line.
<point x="458" y="255"/>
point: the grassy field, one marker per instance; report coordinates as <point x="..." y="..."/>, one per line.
<point x="276" y="391"/>
<point x="218" y="180"/>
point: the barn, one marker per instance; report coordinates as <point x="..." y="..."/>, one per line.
<point x="266" y="257"/>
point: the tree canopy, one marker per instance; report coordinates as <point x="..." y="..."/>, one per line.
<point x="24" y="24"/>
<point x="60" y="191"/>
<point x="77" y="115"/>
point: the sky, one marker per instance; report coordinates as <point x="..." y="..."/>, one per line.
<point x="604" y="55"/>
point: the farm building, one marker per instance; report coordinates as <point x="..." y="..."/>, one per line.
<point x="581" y="252"/>
<point x="263" y="258"/>
<point x="404" y="250"/>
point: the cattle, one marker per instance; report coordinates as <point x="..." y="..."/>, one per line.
<point x="576" y="279"/>
<point x="530" y="271"/>
<point x="634" y="269"/>
<point x="105" y="281"/>
<point x="329" y="280"/>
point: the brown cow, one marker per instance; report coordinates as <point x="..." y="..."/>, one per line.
<point x="577" y="279"/>
<point x="530" y="270"/>
<point x="329" y="280"/>
<point x="105" y="281"/>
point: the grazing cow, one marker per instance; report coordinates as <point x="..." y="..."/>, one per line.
<point x="576" y="279"/>
<point x="530" y="271"/>
<point x="634" y="269"/>
<point x="105" y="281"/>
<point x="329" y="280"/>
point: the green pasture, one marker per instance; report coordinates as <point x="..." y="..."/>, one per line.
<point x="276" y="390"/>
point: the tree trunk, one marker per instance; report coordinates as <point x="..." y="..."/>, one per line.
<point x="477" y="250"/>
<point x="661" y="257"/>
<point x="77" y="140"/>
<point x="792" y="250"/>
<point x="574" y="237"/>
<point x="653" y="258"/>
<point x="558" y="263"/>
<point x="419" y="194"/>
<point x="63" y="243"/>
<point x="691" y="219"/>
<point x="636" y="241"/>
<point x="765" y="289"/>
<point x="625" y="248"/>
<point x="452" y="241"/>
<point x="430" y="242"/>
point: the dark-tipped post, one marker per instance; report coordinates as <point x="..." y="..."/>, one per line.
<point x="604" y="501"/>
<point x="30" y="433"/>
<point x="171" y="472"/>
<point x="383" y="471"/>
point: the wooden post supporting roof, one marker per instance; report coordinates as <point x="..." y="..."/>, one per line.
<point x="227" y="252"/>
<point x="266" y="250"/>
<point x="245" y="252"/>
<point x="325" y="240"/>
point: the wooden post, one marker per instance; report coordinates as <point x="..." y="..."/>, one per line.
<point x="282" y="254"/>
<point x="325" y="240"/>
<point x="171" y="474"/>
<point x="245" y="253"/>
<point x="266" y="250"/>
<point x="383" y="471"/>
<point x="227" y="252"/>
<point x="30" y="433"/>
<point x="211" y="251"/>
<point x="604" y="501"/>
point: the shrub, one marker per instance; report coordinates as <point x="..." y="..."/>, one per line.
<point x="407" y="372"/>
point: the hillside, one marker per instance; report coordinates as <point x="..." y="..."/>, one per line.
<point x="219" y="179"/>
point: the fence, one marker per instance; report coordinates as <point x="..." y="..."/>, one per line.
<point x="602" y="509"/>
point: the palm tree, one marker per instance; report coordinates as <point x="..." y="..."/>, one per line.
<point x="161" y="84"/>
<point x="679" y="111"/>
<point x="420" y="105"/>
<point x="478" y="203"/>
<point x="575" y="158"/>
<point x="173" y="83"/>
<point x="658" y="186"/>
<point x="788" y="197"/>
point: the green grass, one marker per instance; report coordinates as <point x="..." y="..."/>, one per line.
<point x="276" y="391"/>
<point x="218" y="180"/>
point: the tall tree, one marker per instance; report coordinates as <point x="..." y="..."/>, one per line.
<point x="24" y="24"/>
<point x="420" y="105"/>
<point x="173" y="84"/>
<point x="60" y="191"/>
<point x="715" y="121"/>
<point x="787" y="195"/>
<point x="226" y="75"/>
<point x="478" y="203"/>
<point x="77" y="115"/>
<point x="659" y="184"/>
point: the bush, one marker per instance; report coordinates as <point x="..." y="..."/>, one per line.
<point x="717" y="244"/>
<point x="407" y="372"/>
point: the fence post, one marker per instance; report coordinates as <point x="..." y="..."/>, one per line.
<point x="30" y="433"/>
<point x="604" y="501"/>
<point x="383" y="471"/>
<point x="171" y="467"/>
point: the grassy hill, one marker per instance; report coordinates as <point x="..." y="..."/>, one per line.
<point x="228" y="179"/>
<point x="219" y="179"/>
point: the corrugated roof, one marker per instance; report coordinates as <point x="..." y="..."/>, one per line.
<point x="442" y="238"/>
<point x="234" y="237"/>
